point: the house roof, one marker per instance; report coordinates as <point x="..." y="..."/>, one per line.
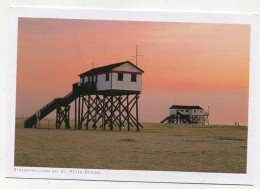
<point x="107" y="68"/>
<point x="185" y="107"/>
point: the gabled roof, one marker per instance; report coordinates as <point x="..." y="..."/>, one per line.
<point x="107" y="68"/>
<point x="185" y="107"/>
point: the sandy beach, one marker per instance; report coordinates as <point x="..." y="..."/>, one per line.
<point x="164" y="147"/>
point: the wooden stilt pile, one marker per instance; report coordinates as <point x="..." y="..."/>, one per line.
<point x="63" y="115"/>
<point x="107" y="111"/>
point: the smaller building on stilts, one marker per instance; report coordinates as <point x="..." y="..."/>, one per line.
<point x="180" y="114"/>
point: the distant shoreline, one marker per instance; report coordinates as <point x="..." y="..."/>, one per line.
<point x="52" y="120"/>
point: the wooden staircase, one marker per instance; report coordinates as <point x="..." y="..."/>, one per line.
<point x="47" y="109"/>
<point x="177" y="118"/>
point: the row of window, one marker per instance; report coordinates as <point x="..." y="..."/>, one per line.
<point x="195" y="111"/>
<point x="89" y="79"/>
<point x="120" y="77"/>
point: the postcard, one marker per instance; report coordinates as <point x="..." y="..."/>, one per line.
<point x="132" y="95"/>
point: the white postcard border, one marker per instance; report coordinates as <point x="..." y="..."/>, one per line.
<point x="130" y="175"/>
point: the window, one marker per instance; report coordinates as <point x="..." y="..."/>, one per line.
<point x="120" y="77"/>
<point x="187" y="110"/>
<point x="194" y="111"/>
<point x="181" y="110"/>
<point x="133" y="77"/>
<point x="92" y="79"/>
<point x="107" y="77"/>
<point x="200" y="111"/>
<point x="88" y="78"/>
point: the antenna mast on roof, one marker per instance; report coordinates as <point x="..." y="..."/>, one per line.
<point x="136" y="55"/>
<point x="93" y="62"/>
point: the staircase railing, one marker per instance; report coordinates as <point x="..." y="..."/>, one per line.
<point x="48" y="108"/>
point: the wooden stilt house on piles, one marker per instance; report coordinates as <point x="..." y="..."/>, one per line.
<point x="106" y="96"/>
<point x="180" y="114"/>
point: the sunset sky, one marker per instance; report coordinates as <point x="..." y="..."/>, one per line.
<point x="184" y="63"/>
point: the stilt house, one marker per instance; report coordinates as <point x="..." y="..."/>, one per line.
<point x="187" y="114"/>
<point x="186" y="110"/>
<point x="104" y="96"/>
<point x="122" y="76"/>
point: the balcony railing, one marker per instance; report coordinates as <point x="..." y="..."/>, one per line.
<point x="206" y="113"/>
<point x="90" y="86"/>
